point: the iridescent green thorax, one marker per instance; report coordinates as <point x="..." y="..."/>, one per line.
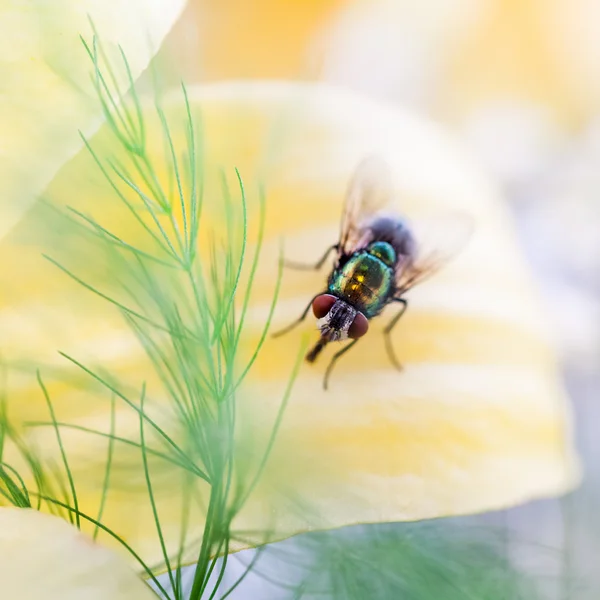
<point x="384" y="252"/>
<point x="366" y="281"/>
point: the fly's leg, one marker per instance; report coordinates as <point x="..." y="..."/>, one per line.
<point x="334" y="359"/>
<point x="299" y="320"/>
<point x="388" y="330"/>
<point x="316" y="266"/>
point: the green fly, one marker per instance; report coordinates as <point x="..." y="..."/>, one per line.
<point x="377" y="260"/>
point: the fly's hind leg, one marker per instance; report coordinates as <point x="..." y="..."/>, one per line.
<point x="314" y="267"/>
<point x="299" y="320"/>
<point x="334" y="359"/>
<point x="388" y="330"/>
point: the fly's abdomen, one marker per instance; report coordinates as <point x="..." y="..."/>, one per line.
<point x="365" y="282"/>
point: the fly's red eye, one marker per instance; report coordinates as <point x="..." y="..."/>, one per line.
<point x="322" y="305"/>
<point x="359" y="326"/>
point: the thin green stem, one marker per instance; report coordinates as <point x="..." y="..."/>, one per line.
<point x="161" y="538"/>
<point x="62" y="449"/>
<point x="109" y="460"/>
<point x="276" y="426"/>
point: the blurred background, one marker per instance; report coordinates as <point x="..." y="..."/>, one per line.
<point x="518" y="81"/>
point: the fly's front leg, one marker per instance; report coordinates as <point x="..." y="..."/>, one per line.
<point x="334" y="359"/>
<point x="299" y="320"/>
<point x="388" y="330"/>
<point x="316" y="266"/>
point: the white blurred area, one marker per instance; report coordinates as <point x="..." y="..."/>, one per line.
<point x="558" y="213"/>
<point x="517" y="78"/>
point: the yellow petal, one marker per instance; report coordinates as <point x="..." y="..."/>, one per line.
<point x="46" y="94"/>
<point x="45" y="557"/>
<point x="477" y="421"/>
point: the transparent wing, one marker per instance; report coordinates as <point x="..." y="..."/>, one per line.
<point x="369" y="191"/>
<point x="436" y="242"/>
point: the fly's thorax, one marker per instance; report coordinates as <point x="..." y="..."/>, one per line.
<point x="365" y="282"/>
<point x="384" y="252"/>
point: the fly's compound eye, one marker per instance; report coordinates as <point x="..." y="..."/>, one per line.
<point x="322" y="305"/>
<point x="359" y="326"/>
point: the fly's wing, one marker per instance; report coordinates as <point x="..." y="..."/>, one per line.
<point x="436" y="242"/>
<point x="369" y="191"/>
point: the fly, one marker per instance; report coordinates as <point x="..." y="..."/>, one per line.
<point x="377" y="260"/>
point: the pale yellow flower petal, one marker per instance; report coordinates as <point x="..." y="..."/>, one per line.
<point x="45" y="90"/>
<point x="477" y="421"/>
<point x="45" y="557"/>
